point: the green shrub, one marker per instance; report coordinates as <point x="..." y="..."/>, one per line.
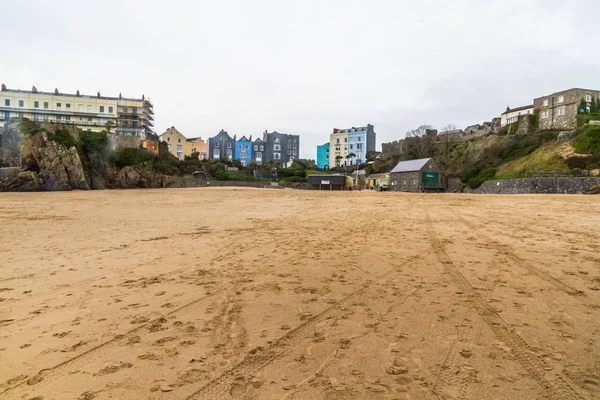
<point x="474" y="183"/>
<point x="587" y="140"/>
<point x="216" y="169"/>
<point x="127" y="156"/>
<point x="92" y="141"/>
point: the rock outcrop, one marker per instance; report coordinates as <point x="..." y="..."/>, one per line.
<point x="57" y="167"/>
<point x="12" y="140"/>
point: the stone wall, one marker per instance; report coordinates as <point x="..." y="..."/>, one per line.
<point x="116" y="141"/>
<point x="538" y="185"/>
<point x="391" y="148"/>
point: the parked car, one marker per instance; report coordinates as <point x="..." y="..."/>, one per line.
<point x="384" y="188"/>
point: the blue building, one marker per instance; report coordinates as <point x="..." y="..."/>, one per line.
<point x="323" y="156"/>
<point x="360" y="142"/>
<point x="243" y="150"/>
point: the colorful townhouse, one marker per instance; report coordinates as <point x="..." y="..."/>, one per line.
<point x="243" y="150"/>
<point x="126" y="116"/>
<point x="350" y="146"/>
<point x="177" y="143"/>
<point x="221" y="146"/>
<point x="197" y="145"/>
<point x="283" y="148"/>
<point x="258" y="151"/>
<point x="323" y="156"/>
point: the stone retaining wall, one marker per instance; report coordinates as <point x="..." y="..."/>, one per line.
<point x="538" y="185"/>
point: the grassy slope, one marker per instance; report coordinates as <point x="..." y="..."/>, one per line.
<point x="546" y="158"/>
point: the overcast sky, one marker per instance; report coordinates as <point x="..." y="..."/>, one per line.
<point x="306" y="66"/>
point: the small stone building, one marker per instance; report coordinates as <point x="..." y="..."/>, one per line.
<point x="414" y="175"/>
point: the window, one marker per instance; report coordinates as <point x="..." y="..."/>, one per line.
<point x="262" y="148"/>
<point x="276" y="156"/>
<point x="346" y="140"/>
<point x="228" y="145"/>
<point x="58" y="118"/>
<point x="45" y="118"/>
<point x="295" y="152"/>
<point x="289" y="145"/>
<point x="239" y="146"/>
<point x="89" y="120"/>
<point x="169" y="147"/>
<point x="337" y="140"/>
<point x="68" y="118"/>
<point x="68" y="105"/>
<point x="545" y="114"/>
<point x="359" y="146"/>
<point x="89" y="108"/>
<point x="289" y="152"/>
<point x="229" y="154"/>
<point x="124" y="109"/>
<point x="36" y="117"/>
<point x="134" y="124"/>
<point x="295" y="145"/>
<point x="295" y="140"/>
<point x="255" y="147"/>
<point x="561" y="111"/>
<point x="276" y="147"/>
<point x="216" y="154"/>
<point x="561" y="99"/>
<point x="276" y="140"/>
<point x="101" y="109"/>
<point x="168" y="139"/>
<point x="36" y="104"/>
<point x="80" y="108"/>
<point x="58" y="105"/>
<point x="135" y="110"/>
<point x="351" y="147"/>
<point x="7" y="102"/>
<point x="179" y="151"/>
<point x="45" y="104"/>
<point x="247" y="147"/>
<point x="217" y="144"/>
<point x="110" y="109"/>
<point x="545" y="102"/>
<point x="203" y="156"/>
<point x="588" y="98"/>
<point x="243" y="154"/>
<point x="243" y="163"/>
<point x="21" y="103"/>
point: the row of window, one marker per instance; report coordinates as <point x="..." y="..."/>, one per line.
<point x="89" y="108"/>
<point x="560" y="111"/>
<point x="561" y="99"/>
<point x="277" y="140"/>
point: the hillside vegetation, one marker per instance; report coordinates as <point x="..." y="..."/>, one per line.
<point x="504" y="156"/>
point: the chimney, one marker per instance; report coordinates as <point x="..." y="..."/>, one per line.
<point x="33" y="89"/>
<point x="3" y="87"/>
<point x="120" y="97"/>
<point x="507" y="108"/>
<point x="234" y="137"/>
<point x="250" y="138"/>
<point x="78" y="93"/>
<point x="98" y="94"/>
<point x="55" y="91"/>
<point x="143" y="98"/>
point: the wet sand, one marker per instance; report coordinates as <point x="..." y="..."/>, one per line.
<point x="222" y="293"/>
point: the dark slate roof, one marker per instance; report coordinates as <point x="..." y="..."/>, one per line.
<point x="243" y="139"/>
<point x="410" y="165"/>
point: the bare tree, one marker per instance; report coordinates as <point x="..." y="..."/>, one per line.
<point x="449" y="127"/>
<point x="419" y="142"/>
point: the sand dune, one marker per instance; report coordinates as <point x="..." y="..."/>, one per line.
<point x="222" y="293"/>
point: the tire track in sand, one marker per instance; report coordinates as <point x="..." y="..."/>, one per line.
<point x="556" y="387"/>
<point x="220" y="387"/>
<point x="578" y="294"/>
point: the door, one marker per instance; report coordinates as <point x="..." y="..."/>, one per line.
<point x="430" y="179"/>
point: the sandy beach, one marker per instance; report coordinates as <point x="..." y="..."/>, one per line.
<point x="221" y="293"/>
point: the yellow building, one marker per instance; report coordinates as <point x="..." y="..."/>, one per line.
<point x="338" y="147"/>
<point x="177" y="143"/>
<point x="133" y="117"/>
<point x="376" y="181"/>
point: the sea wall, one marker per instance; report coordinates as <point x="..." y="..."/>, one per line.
<point x="562" y="185"/>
